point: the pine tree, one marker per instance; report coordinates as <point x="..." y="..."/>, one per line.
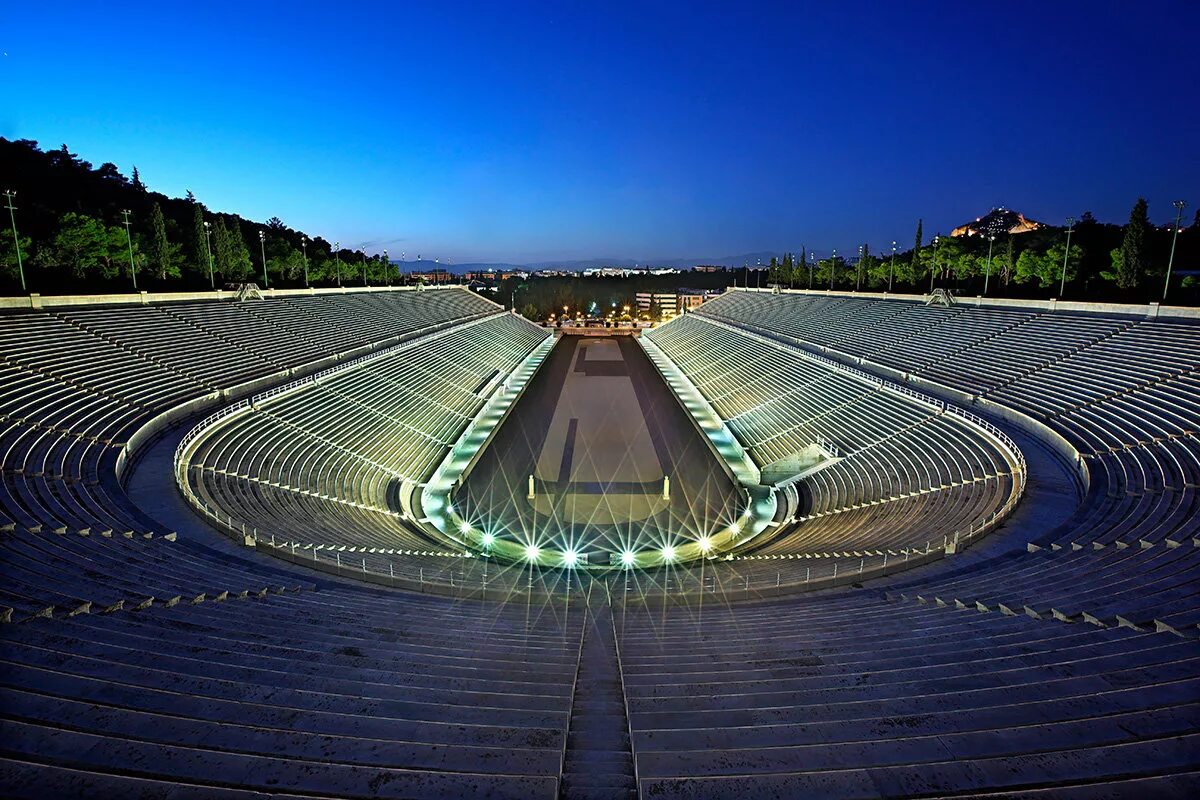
<point x="916" y="256"/>
<point x="137" y="180"/>
<point x="1129" y="260"/>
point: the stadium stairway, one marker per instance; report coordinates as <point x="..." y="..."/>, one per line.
<point x="598" y="762"/>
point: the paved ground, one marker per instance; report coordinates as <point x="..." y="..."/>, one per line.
<point x="598" y="429"/>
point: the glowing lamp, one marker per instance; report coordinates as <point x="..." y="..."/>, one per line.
<point x="532" y="551"/>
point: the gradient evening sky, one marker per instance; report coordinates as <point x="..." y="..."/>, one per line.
<point x="629" y="130"/>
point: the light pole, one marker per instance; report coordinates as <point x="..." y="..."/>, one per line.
<point x="403" y="273"/>
<point x="1179" y="204"/>
<point x="934" y="264"/>
<point x="212" y="281"/>
<point x="304" y="254"/>
<point x="365" y="267"/>
<point x="12" y="215"/>
<point x="832" y="267"/>
<point x="387" y="268"/>
<point x="337" y="261"/>
<point x="1066" y="254"/>
<point x="987" y="273"/>
<point x="812" y="265"/>
<point x="129" y="240"/>
<point x="262" y="244"/>
<point x="892" y="269"/>
<point x="858" y="272"/>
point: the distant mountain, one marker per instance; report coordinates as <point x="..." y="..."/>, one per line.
<point x="763" y="256"/>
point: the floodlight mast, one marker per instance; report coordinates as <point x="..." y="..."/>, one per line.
<point x="10" y="194"/>
<point x="1179" y="204"/>
<point x="262" y="243"/>
<point x="892" y="269"/>
<point x="1066" y="254"/>
<point x="987" y="275"/>
<point x="129" y="239"/>
<point x="304" y="253"/>
<point x="208" y="247"/>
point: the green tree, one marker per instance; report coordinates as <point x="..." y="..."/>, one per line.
<point x="232" y="256"/>
<point x="162" y="255"/>
<point x="1129" y="260"/>
<point x="1046" y="267"/>
<point x="198" y="244"/>
<point x="8" y="255"/>
<point x="530" y="311"/>
<point x="88" y="246"/>
<point x="916" y="253"/>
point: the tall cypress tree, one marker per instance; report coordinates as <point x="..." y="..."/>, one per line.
<point x="916" y="257"/>
<point x="159" y="250"/>
<point x="199" y="248"/>
<point x="1129" y="260"/>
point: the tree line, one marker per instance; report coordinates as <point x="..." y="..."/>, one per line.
<point x="81" y="228"/>
<point x="1102" y="262"/>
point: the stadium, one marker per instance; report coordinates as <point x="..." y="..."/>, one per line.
<point x="402" y="542"/>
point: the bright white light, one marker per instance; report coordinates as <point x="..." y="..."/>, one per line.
<point x="464" y="527"/>
<point x="570" y="558"/>
<point x="532" y="551"/>
<point x="489" y="539"/>
<point x="705" y="544"/>
<point x="627" y="558"/>
<point x="668" y="553"/>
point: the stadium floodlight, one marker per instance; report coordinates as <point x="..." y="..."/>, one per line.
<point x="1179" y="204"/>
<point x="12" y="216"/>
<point x="262" y="243"/>
<point x="464" y="527"/>
<point x="489" y="539"/>
<point x="705" y="544"/>
<point x="668" y="553"/>
<point x="627" y="558"/>
<point x="532" y="552"/>
<point x="208" y="248"/>
<point x="570" y="558"/>
<point x="129" y="239"/>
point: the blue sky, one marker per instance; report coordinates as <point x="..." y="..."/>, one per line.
<point x="532" y="132"/>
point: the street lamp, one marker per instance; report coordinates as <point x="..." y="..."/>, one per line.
<point x="387" y="268"/>
<point x="337" y="261"/>
<point x="1066" y="254"/>
<point x="129" y="240"/>
<point x="987" y="274"/>
<point x="212" y="281"/>
<point x="10" y="194"/>
<point x="262" y="244"/>
<point x="365" y="266"/>
<point x="1179" y="204"/>
<point x="934" y="264"/>
<point x="812" y="265"/>
<point x="858" y="277"/>
<point x="892" y="269"/>
<point x="304" y="253"/>
<point x="832" y="267"/>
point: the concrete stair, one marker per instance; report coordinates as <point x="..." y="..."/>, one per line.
<point x="598" y="764"/>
